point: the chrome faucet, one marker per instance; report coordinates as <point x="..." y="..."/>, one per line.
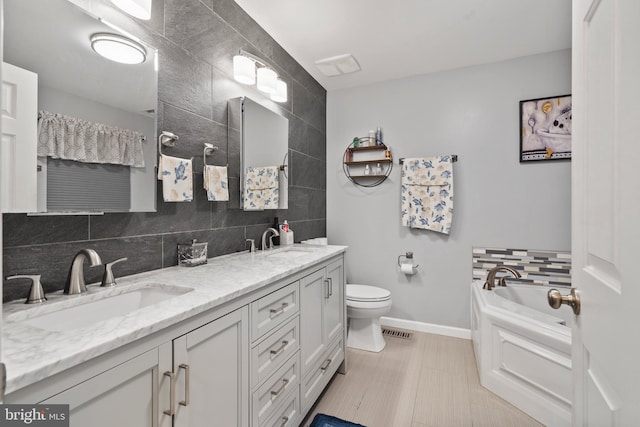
<point x="264" y="237"/>
<point x="75" y="280"/>
<point x="491" y="277"/>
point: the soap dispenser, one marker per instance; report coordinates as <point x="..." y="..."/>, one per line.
<point x="286" y="234"/>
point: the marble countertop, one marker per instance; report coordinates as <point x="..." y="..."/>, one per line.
<point x="32" y="354"/>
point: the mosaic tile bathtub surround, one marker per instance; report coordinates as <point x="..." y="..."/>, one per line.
<point x="538" y="267"/>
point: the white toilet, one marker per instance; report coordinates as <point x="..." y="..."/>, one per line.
<point x="365" y="305"/>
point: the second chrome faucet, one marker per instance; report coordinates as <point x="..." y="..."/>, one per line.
<point x="75" y="280"/>
<point x="264" y="237"/>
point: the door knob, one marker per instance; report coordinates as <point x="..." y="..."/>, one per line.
<point x="556" y="299"/>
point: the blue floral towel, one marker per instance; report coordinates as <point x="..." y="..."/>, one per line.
<point x="427" y="193"/>
<point x="216" y="183"/>
<point x="177" y="179"/>
<point x="261" y="188"/>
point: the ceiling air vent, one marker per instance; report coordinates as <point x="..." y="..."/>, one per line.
<point x="337" y="65"/>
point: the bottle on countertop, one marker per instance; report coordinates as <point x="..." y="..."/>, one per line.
<point x="286" y="234"/>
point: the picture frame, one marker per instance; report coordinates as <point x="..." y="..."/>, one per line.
<point x="545" y="129"/>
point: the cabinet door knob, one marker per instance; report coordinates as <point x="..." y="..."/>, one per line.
<point x="280" y="349"/>
<point x="276" y="393"/>
<point x="325" y="365"/>
<point x="172" y="393"/>
<point x="278" y="311"/>
<point x="185" y="402"/>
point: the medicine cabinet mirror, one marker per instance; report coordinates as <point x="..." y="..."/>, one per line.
<point x="264" y="143"/>
<point x="52" y="39"/>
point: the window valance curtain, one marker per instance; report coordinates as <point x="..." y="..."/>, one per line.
<point x="70" y="138"/>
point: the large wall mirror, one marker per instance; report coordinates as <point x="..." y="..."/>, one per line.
<point x="52" y="38"/>
<point x="264" y="148"/>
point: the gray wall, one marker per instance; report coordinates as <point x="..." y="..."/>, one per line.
<point x="196" y="40"/>
<point x="474" y="113"/>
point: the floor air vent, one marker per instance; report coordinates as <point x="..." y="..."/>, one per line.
<point x="397" y="333"/>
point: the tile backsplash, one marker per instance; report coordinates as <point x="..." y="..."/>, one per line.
<point x="539" y="267"/>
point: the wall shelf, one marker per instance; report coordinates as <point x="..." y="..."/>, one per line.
<point x="356" y="160"/>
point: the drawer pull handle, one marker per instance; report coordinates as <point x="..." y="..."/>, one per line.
<point x="326" y="293"/>
<point x="278" y="311"/>
<point x="172" y="392"/>
<point x="330" y="286"/>
<point x="325" y="365"/>
<point x="276" y="393"/>
<point x="185" y="402"/>
<point x="285" y="420"/>
<point x="280" y="349"/>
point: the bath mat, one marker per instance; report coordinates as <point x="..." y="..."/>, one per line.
<point x="322" y="420"/>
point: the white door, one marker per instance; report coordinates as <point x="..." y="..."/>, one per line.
<point x="606" y="211"/>
<point x="19" y="139"/>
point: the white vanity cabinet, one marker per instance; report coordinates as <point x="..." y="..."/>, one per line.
<point x="188" y="381"/>
<point x="126" y="395"/>
<point x="261" y="359"/>
<point x="211" y="373"/>
<point x="322" y="314"/>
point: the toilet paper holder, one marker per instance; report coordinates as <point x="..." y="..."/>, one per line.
<point x="408" y="259"/>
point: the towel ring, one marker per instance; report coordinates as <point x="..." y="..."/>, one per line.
<point x="167" y="139"/>
<point x="209" y="149"/>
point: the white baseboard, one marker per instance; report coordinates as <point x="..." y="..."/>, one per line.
<point x="429" y="328"/>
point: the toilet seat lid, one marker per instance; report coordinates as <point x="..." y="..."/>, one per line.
<point x="367" y="293"/>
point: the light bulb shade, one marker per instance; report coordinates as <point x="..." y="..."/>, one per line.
<point x="118" y="48"/>
<point x="280" y="95"/>
<point x="244" y="70"/>
<point x="267" y="80"/>
<point x="140" y="9"/>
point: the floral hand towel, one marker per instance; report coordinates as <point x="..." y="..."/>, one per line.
<point x="177" y="179"/>
<point x="261" y="188"/>
<point x="216" y="183"/>
<point x="427" y="193"/>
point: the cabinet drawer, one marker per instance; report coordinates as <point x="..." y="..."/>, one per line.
<point x="288" y="414"/>
<point x="320" y="375"/>
<point x="269" y="396"/>
<point x="274" y="350"/>
<point x="274" y="309"/>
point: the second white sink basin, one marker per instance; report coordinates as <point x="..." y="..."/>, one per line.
<point x="83" y="314"/>
<point x="288" y="253"/>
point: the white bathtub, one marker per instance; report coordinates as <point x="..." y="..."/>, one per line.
<point x="523" y="349"/>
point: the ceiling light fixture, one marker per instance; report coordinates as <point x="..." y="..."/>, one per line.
<point x="118" y="48"/>
<point x="140" y="9"/>
<point x="265" y="78"/>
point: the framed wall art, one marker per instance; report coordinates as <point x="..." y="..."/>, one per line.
<point x="545" y="129"/>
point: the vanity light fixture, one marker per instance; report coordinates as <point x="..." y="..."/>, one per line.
<point x="280" y="95"/>
<point x="244" y="70"/>
<point x="140" y="9"/>
<point x="118" y="48"/>
<point x="265" y="78"/>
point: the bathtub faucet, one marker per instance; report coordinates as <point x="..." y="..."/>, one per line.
<point x="491" y="277"/>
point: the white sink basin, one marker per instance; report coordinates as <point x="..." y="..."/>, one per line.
<point x="89" y="312"/>
<point x="288" y="253"/>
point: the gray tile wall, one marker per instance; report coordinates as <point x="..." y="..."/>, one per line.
<point x="536" y="267"/>
<point x="197" y="41"/>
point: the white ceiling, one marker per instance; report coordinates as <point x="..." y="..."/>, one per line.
<point x="396" y="39"/>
